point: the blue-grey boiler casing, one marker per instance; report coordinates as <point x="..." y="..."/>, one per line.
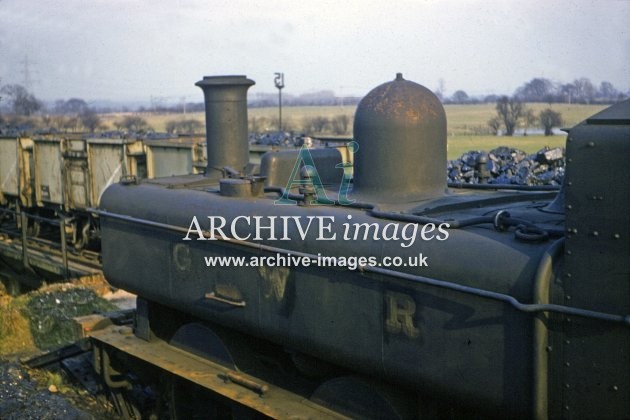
<point x="503" y="319"/>
<point x="451" y="343"/>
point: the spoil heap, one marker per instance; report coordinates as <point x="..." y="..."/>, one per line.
<point x="37" y="321"/>
<point x="505" y="165"/>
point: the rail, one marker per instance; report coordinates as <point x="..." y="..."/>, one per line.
<point x="22" y="219"/>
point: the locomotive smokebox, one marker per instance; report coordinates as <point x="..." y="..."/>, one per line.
<point x="400" y="127"/>
<point x="226" y="122"/>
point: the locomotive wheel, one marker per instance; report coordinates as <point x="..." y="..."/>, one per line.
<point x="363" y="398"/>
<point x="187" y="400"/>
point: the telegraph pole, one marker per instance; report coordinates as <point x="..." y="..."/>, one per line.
<point x="279" y="82"/>
<point x="26" y="73"/>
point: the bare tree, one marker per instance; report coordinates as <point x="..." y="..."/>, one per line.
<point x="73" y="106"/>
<point x="315" y="124"/>
<point x="549" y="119"/>
<point x="536" y="90"/>
<point x="55" y="121"/>
<point x="460" y="97"/>
<point x="569" y="92"/>
<point x="608" y="93"/>
<point x="530" y="119"/>
<point x="70" y="124"/>
<point x="90" y="119"/>
<point x="135" y="124"/>
<point x="585" y="91"/>
<point x="22" y="102"/>
<point x="495" y="125"/>
<point x="340" y="124"/>
<point x="192" y="126"/>
<point x="320" y="123"/>
<point x="189" y="126"/>
<point x="509" y="110"/>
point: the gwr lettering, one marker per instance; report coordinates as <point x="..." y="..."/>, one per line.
<point x="399" y="316"/>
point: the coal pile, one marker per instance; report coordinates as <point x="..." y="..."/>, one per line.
<point x="38" y="320"/>
<point x="42" y="319"/>
<point x="506" y="165"/>
<point x="282" y="139"/>
<point x="50" y="314"/>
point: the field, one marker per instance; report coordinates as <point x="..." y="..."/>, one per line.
<point x="467" y="124"/>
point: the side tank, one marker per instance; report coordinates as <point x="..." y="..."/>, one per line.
<point x="589" y="366"/>
<point x="446" y="295"/>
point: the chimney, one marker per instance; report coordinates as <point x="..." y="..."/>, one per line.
<point x="226" y="122"/>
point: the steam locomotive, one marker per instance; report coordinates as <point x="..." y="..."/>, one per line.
<point x="386" y="295"/>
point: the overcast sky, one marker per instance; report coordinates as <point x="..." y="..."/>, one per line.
<point x="135" y="49"/>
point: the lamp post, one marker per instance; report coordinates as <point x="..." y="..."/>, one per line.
<point x="279" y="82"/>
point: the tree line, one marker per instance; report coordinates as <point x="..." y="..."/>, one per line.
<point x="511" y="111"/>
<point x="71" y="115"/>
<point x="18" y="105"/>
<point x="539" y="89"/>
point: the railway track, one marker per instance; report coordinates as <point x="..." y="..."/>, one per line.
<point x="30" y="260"/>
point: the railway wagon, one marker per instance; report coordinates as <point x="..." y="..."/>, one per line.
<point x="48" y="177"/>
<point x="177" y="156"/>
<point x="16" y="155"/>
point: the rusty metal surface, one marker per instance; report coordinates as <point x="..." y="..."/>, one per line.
<point x="263" y="397"/>
<point x="400" y="127"/>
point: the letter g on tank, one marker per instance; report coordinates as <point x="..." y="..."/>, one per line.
<point x="181" y="257"/>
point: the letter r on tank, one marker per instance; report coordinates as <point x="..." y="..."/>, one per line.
<point x="400" y="309"/>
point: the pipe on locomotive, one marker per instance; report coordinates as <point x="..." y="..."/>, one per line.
<point x="226" y="123"/>
<point x="508" y="299"/>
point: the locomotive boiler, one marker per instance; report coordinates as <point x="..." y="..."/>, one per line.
<point x="388" y="294"/>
